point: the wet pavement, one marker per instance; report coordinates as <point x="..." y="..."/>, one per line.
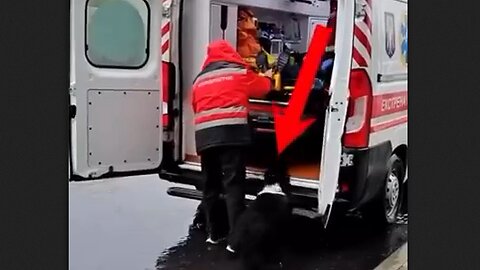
<point x="131" y="223"/>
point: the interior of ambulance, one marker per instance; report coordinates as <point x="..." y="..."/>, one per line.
<point x="278" y="40"/>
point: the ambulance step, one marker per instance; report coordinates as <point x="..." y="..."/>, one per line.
<point x="185" y="193"/>
<point x="197" y="195"/>
<point x="190" y="193"/>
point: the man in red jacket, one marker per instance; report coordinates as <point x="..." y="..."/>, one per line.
<point x="220" y="99"/>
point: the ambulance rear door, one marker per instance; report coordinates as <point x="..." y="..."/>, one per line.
<point x="115" y="94"/>
<point x="336" y="114"/>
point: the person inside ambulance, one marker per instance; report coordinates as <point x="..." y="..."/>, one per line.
<point x="248" y="46"/>
<point x="264" y="60"/>
<point x="320" y="97"/>
<point x="326" y="67"/>
<point x="220" y="99"/>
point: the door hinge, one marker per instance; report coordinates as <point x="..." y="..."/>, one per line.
<point x="72" y="111"/>
<point x="333" y="109"/>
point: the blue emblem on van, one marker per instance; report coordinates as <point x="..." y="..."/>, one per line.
<point x="404" y="45"/>
<point x="389" y="34"/>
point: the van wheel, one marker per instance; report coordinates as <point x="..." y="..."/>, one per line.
<point x="387" y="206"/>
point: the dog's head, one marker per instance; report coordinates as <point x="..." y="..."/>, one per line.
<point x="277" y="183"/>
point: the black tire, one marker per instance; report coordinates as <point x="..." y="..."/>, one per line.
<point x="386" y="207"/>
<point x="404" y="205"/>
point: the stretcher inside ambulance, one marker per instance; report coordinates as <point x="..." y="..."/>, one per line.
<point x="282" y="47"/>
<point x="278" y="40"/>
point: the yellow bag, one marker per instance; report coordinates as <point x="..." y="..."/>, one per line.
<point x="270" y="58"/>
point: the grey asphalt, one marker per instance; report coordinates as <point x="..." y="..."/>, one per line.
<point x="132" y="224"/>
<point x="124" y="223"/>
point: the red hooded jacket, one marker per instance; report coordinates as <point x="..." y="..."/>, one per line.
<point x="220" y="97"/>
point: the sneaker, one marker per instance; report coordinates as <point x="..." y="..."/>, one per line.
<point x="215" y="240"/>
<point x="230" y="249"/>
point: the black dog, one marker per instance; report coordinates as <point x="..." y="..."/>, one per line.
<point x="260" y="232"/>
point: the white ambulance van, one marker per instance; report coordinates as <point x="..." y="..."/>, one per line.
<point x="132" y="67"/>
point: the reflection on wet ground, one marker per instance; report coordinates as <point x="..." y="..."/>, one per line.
<point x="132" y="224"/>
<point x="349" y="243"/>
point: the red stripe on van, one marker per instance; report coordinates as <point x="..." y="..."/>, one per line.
<point x="359" y="58"/>
<point x="368" y="22"/>
<point x="363" y="39"/>
<point x="367" y="19"/>
<point x="389" y="103"/>
<point x="165" y="28"/>
<point x="388" y="124"/>
<point x="165" y="46"/>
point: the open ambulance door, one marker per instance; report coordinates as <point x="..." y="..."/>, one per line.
<point x="115" y="94"/>
<point x="337" y="109"/>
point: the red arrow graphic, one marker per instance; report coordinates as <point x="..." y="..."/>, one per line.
<point x="291" y="125"/>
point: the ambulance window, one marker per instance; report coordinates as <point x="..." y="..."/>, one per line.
<point x="117" y="33"/>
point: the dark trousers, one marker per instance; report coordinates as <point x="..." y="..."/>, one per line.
<point x="223" y="169"/>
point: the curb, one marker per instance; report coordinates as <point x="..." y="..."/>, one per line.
<point x="397" y="261"/>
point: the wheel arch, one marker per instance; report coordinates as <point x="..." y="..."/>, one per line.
<point x="401" y="152"/>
